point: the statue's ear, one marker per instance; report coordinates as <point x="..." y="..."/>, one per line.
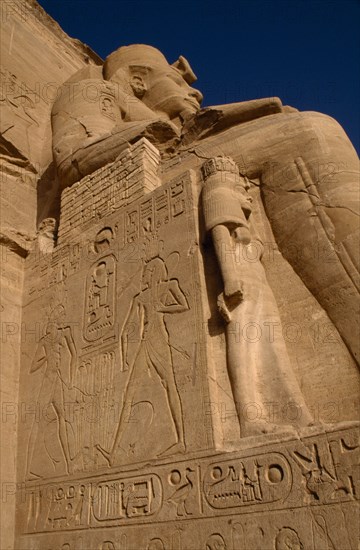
<point x="138" y="76"/>
<point x="138" y="86"/>
<point x="183" y="66"/>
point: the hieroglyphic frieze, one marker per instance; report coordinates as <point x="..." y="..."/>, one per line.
<point x="210" y="486"/>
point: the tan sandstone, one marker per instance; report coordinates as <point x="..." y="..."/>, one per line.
<point x="181" y="309"/>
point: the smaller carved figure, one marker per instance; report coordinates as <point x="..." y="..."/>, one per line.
<point x="58" y="335"/>
<point x="259" y="369"/>
<point x="145" y="341"/>
<point x="137" y="497"/>
<point x="251" y="487"/>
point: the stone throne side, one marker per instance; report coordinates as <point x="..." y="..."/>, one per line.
<point x="127" y="271"/>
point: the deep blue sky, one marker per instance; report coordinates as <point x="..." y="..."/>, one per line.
<point x="305" y="51"/>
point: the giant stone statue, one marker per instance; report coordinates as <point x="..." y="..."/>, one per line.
<point x="307" y="168"/>
<point x="196" y="363"/>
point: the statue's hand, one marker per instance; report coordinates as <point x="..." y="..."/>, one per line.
<point x="227" y="302"/>
<point x="242" y="235"/>
<point x="223" y="309"/>
<point x="221" y="117"/>
<point x="162" y="130"/>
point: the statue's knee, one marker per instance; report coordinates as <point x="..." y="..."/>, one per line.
<point x="321" y="143"/>
<point x="326" y="130"/>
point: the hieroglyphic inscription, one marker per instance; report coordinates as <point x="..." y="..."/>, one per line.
<point x="130" y="498"/>
<point x="216" y="542"/>
<point x="329" y="468"/>
<point x="116" y="185"/>
<point x="266" y="478"/>
<point x="18" y="96"/>
<point x="66" y="507"/>
<point x="177" y="197"/>
<point x="162" y="214"/>
<point x="52" y="269"/>
<point x="99" y="316"/>
<point x="57" y="507"/>
<point x="164" y="205"/>
<point x="201" y="487"/>
<point x="146" y="216"/>
<point x="132" y="225"/>
<point x="185" y="491"/>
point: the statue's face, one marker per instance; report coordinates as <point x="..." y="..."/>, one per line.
<point x="168" y="93"/>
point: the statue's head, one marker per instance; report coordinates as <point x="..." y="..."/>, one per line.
<point x="144" y="72"/>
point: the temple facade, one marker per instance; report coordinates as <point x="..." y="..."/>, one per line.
<point x="179" y="308"/>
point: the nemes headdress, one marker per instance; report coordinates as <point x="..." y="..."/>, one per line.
<point x="142" y="55"/>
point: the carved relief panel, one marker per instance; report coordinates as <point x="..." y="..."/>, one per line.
<point x="111" y="375"/>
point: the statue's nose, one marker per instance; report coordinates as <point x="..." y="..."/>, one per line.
<point x="196" y="94"/>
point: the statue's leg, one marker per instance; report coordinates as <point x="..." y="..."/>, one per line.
<point x="311" y="199"/>
<point x="259" y="367"/>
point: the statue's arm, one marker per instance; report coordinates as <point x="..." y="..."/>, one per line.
<point x="91" y="154"/>
<point x="220" y="117"/>
<point x="88" y="133"/>
<point x="235" y="113"/>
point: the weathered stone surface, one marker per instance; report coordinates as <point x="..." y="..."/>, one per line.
<point x="188" y="372"/>
<point x="310" y="193"/>
<point x="297" y="494"/>
<point x="36" y="58"/>
<point x="128" y="359"/>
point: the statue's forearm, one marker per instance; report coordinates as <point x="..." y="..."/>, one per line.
<point x="235" y="113"/>
<point x="221" y="117"/>
<point x="91" y="155"/>
<point x="225" y="253"/>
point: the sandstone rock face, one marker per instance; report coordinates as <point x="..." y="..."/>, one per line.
<point x="36" y="58"/>
<point x="189" y="354"/>
<point x="138" y="342"/>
